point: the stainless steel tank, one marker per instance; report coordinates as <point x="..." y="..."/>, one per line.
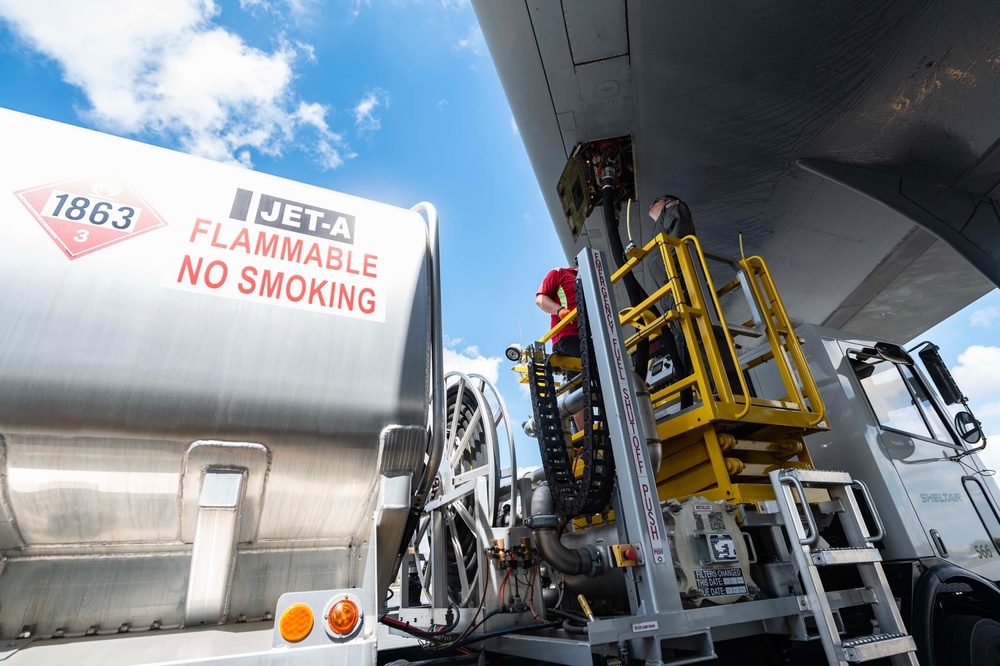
<point x="206" y="374"/>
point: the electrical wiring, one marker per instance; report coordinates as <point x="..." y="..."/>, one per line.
<point x="500" y="597"/>
<point x="506" y="630"/>
<point x="424" y="633"/>
<point x="531" y="594"/>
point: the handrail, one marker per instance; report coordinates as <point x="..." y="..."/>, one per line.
<point x="879" y="525"/>
<point x="725" y="327"/>
<point x="812" y="538"/>
<point x="436" y="444"/>
<point x="680" y="269"/>
<point x="563" y="323"/>
<point x="791" y="341"/>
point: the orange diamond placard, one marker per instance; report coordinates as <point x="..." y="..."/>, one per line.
<point x="87" y="214"/>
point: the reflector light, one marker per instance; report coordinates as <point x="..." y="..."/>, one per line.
<point x="343" y="617"/>
<point x="296" y="622"/>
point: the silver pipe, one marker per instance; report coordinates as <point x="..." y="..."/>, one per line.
<point x="648" y="419"/>
<point x="569" y="404"/>
<point x="436" y="443"/>
<point x="541" y="500"/>
<point x="587" y="561"/>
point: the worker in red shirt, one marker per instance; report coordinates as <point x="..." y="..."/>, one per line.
<point x="557" y="296"/>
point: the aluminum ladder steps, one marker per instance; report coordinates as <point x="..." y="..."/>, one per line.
<point x="807" y="559"/>
<point x="832" y="556"/>
<point x="877" y="646"/>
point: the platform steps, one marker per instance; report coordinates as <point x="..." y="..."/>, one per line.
<point x="892" y="641"/>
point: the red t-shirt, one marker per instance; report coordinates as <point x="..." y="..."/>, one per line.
<point x="560" y="286"/>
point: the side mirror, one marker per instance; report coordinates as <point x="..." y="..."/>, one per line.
<point x="885" y="351"/>
<point x="893" y="353"/>
<point x="968" y="427"/>
<point x="941" y="377"/>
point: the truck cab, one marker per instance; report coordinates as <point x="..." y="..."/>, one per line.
<point x="891" y="427"/>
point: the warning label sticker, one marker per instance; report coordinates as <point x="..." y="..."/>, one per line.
<point x="720" y="582"/>
<point x="88" y="214"/>
<point x="281" y="252"/>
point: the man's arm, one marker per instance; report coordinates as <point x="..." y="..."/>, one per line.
<point x="551" y="306"/>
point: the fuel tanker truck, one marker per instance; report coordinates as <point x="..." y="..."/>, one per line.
<point x="225" y="430"/>
<point x="216" y="405"/>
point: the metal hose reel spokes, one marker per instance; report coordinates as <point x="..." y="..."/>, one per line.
<point x="476" y="421"/>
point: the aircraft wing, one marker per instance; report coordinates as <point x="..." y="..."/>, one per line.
<point x="724" y="99"/>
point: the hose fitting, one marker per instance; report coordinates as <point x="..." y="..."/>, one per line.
<point x="587" y="561"/>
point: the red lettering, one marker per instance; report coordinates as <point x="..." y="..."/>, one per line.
<point x="366" y="301"/>
<point x="215" y="237"/>
<point x="345" y="296"/>
<point x="333" y="259"/>
<point x="242" y="240"/>
<point x="208" y="274"/>
<point x="314" y="291"/>
<point x="314" y="255"/>
<point x="271" y="287"/>
<point x="267" y="244"/>
<point x="248" y="284"/>
<point x="291" y="252"/>
<point x="352" y="271"/>
<point x="288" y="288"/>
<point x="197" y="229"/>
<point x="370" y="260"/>
<point x="192" y="271"/>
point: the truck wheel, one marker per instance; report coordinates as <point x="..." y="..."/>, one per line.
<point x="966" y="640"/>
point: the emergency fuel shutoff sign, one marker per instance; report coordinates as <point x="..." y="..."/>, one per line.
<point x="87" y="214"/>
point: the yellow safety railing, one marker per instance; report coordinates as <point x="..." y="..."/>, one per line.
<point x="781" y="336"/>
<point x="710" y="354"/>
<point x="701" y="456"/>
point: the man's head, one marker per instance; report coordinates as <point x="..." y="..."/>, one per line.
<point x="672" y="216"/>
<point x="661" y="203"/>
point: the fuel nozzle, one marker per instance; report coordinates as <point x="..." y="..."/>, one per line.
<point x="585" y="607"/>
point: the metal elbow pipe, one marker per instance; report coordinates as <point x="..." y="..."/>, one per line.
<point x="541" y="500"/>
<point x="569" y="404"/>
<point x="587" y="561"/>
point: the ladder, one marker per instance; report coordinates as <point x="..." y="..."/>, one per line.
<point x="807" y="558"/>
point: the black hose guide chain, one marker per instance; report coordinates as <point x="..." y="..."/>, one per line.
<point x="591" y="493"/>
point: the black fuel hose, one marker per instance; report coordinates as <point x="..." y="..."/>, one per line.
<point x="636" y="294"/>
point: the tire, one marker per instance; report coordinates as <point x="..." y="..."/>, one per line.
<point x="966" y="640"/>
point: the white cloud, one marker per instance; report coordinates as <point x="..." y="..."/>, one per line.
<point x="985" y="317"/>
<point x="473" y="41"/>
<point x="513" y="127"/>
<point x="364" y="110"/>
<point x="254" y="5"/>
<point x="162" y="67"/>
<point x="442" y="103"/>
<point x="475" y="363"/>
<point x="989" y="409"/>
<point x="978" y="371"/>
<point x="356" y="6"/>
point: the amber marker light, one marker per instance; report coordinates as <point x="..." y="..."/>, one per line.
<point x="296" y="622"/>
<point x="343" y="617"/>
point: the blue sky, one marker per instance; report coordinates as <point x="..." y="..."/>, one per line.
<point x="393" y="100"/>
